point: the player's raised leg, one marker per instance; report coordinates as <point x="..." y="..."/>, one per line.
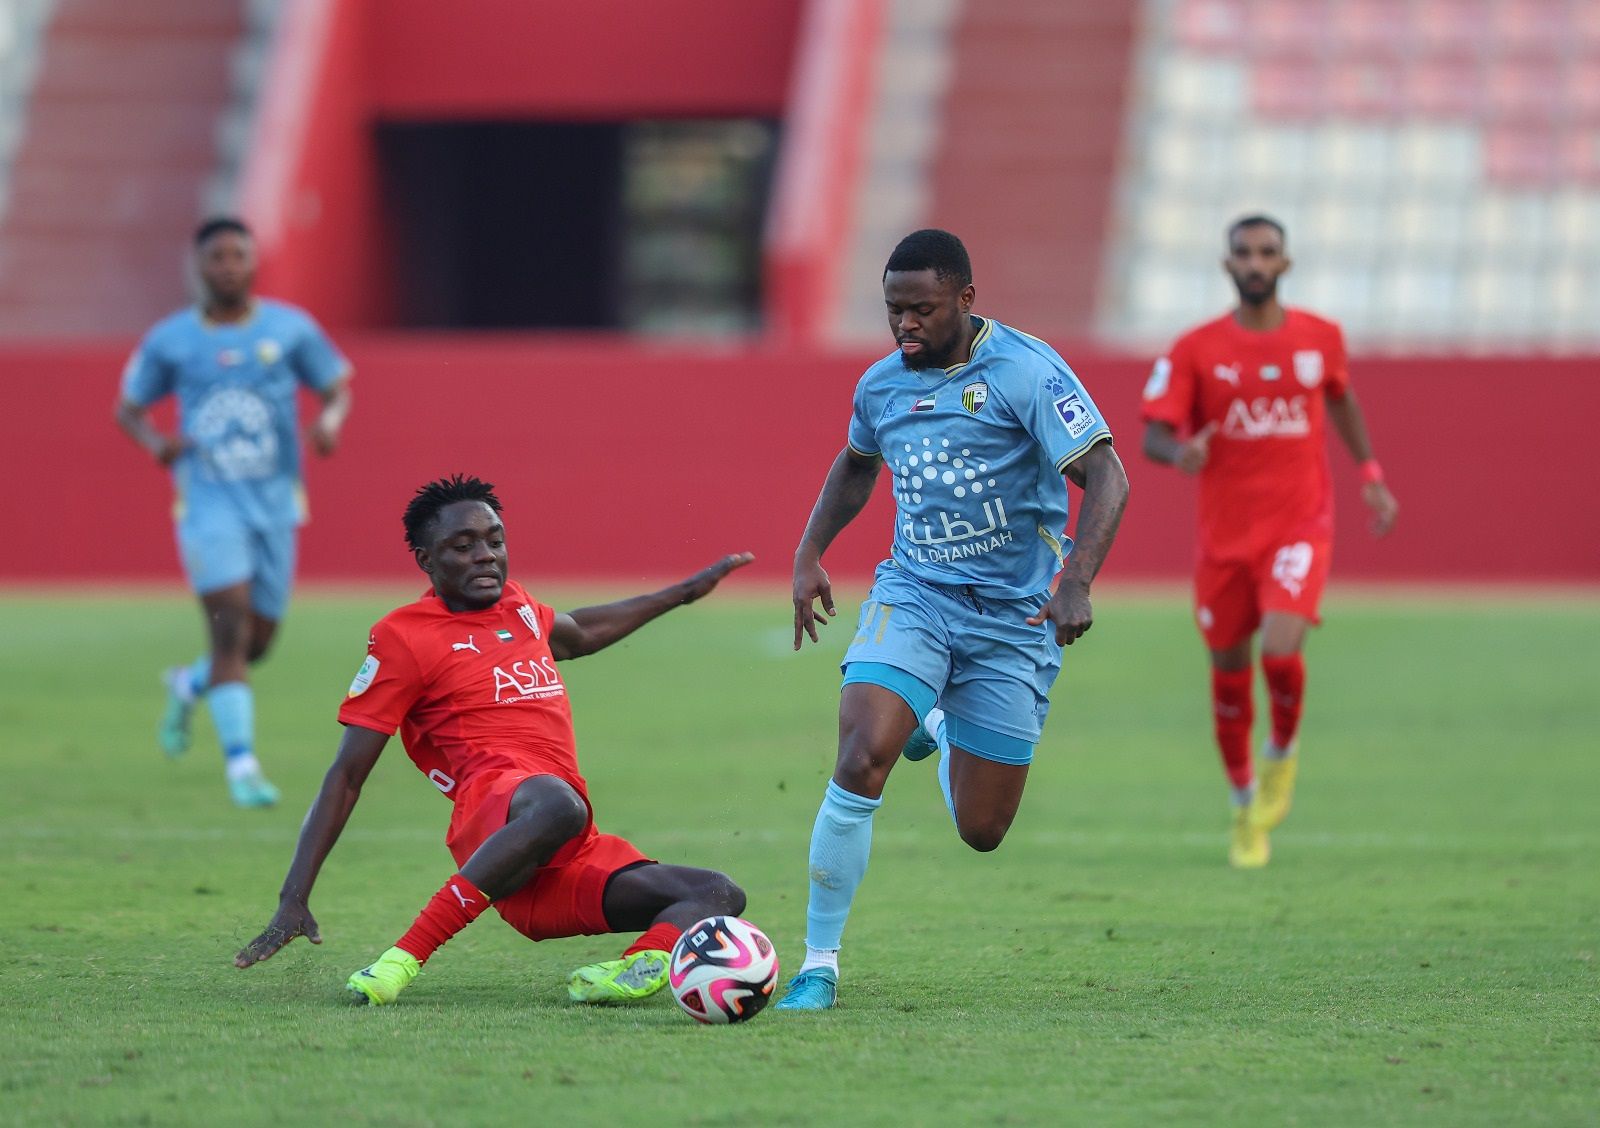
<point x="543" y="814"/>
<point x="1283" y="638"/>
<point x="874" y="723"/>
<point x="662" y="901"/>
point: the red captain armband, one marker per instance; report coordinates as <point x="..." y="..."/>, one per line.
<point x="1371" y="472"/>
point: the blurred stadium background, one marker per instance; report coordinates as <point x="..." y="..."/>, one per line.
<point x="622" y="257"/>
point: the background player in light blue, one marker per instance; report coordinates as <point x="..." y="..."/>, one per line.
<point x="960" y="638"/>
<point x="234" y="362"/>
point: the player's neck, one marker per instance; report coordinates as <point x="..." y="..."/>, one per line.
<point x="228" y="313"/>
<point x="1262" y="318"/>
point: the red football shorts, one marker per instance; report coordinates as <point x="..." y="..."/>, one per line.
<point x="1231" y="596"/>
<point x="565" y="897"/>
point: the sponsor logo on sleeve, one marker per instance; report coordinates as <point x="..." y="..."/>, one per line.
<point x="1160" y="379"/>
<point x="1308" y="367"/>
<point x="974" y="396"/>
<point x="1075" y="414"/>
<point x="364" y="676"/>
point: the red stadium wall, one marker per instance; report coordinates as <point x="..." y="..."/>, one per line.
<point x="620" y="462"/>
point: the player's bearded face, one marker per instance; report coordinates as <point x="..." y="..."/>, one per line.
<point x="1255" y="262"/>
<point x="466" y="557"/>
<point x="928" y="316"/>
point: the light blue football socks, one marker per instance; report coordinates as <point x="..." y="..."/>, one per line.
<point x="941" y="737"/>
<point x="233" y="710"/>
<point x="841" y="841"/>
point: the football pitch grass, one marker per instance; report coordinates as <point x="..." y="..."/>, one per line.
<point x="1420" y="951"/>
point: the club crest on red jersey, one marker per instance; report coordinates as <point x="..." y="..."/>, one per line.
<point x="1308" y="367"/>
<point x="525" y="613"/>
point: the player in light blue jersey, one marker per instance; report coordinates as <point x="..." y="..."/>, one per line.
<point x="234" y="363"/>
<point x="959" y="642"/>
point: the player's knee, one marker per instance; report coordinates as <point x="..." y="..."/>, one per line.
<point x="984" y="837"/>
<point x="258" y="650"/>
<point x="726" y="894"/>
<point x="864" y="765"/>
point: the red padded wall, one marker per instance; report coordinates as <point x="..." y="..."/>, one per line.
<point x="619" y="461"/>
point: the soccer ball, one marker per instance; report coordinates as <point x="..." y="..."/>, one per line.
<point x="723" y="970"/>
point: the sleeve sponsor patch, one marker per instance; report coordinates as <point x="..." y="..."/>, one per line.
<point x="1160" y="378"/>
<point x="1075" y="414"/>
<point x="364" y="676"/>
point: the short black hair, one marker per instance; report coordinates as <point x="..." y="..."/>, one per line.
<point x="216" y="225"/>
<point x="1256" y="220"/>
<point x="431" y="498"/>
<point x="935" y="250"/>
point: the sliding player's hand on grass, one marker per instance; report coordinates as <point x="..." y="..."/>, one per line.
<point x="287" y="923"/>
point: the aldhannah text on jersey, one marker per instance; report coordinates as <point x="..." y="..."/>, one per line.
<point x="977" y="452"/>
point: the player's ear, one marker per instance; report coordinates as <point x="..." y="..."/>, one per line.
<point x="423" y="560"/>
<point x="968" y="293"/>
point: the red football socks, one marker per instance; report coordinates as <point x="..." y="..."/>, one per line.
<point x="662" y="936"/>
<point x="1286" y="686"/>
<point x="447" y="912"/>
<point x="1234" y="714"/>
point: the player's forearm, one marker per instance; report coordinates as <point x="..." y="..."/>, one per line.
<point x="1351" y="425"/>
<point x="336" y="401"/>
<point x="135" y="423"/>
<point x="607" y="623"/>
<point x="325" y="821"/>
<point x="844" y="495"/>
<point x="1105" y="496"/>
<point x="1161" y="444"/>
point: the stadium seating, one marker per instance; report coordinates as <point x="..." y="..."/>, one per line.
<point x="1437" y="163"/>
<point x="120" y="156"/>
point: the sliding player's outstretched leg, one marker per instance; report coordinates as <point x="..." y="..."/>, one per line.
<point x="662" y="900"/>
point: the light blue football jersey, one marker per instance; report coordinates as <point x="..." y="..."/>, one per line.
<point x="235" y="385"/>
<point x="977" y="451"/>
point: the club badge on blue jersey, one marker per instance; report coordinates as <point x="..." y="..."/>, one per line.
<point x="974" y="396"/>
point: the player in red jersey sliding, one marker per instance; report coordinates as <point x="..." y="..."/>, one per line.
<point x="1240" y="402"/>
<point x="467" y="674"/>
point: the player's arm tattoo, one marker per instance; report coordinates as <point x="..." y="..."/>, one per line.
<point x="844" y="495"/>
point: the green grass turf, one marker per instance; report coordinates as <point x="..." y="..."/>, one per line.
<point x="1420" y="951"/>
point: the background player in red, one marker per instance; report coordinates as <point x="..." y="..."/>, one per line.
<point x="467" y="674"/>
<point x="1240" y="402"/>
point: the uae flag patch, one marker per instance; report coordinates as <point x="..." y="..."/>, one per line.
<point x="503" y="636"/>
<point x="923" y="404"/>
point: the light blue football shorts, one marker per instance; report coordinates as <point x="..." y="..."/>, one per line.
<point x="219" y="549"/>
<point x="976" y="657"/>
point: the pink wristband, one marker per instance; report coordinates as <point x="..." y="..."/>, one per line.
<point x="1371" y="472"/>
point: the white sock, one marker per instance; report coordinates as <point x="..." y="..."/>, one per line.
<point x="1242" y="796"/>
<point x="1272" y="752"/>
<point x="242" y="765"/>
<point x="821" y="957"/>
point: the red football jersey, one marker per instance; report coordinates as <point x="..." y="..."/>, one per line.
<point x="1267" y="479"/>
<point x="469" y="691"/>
